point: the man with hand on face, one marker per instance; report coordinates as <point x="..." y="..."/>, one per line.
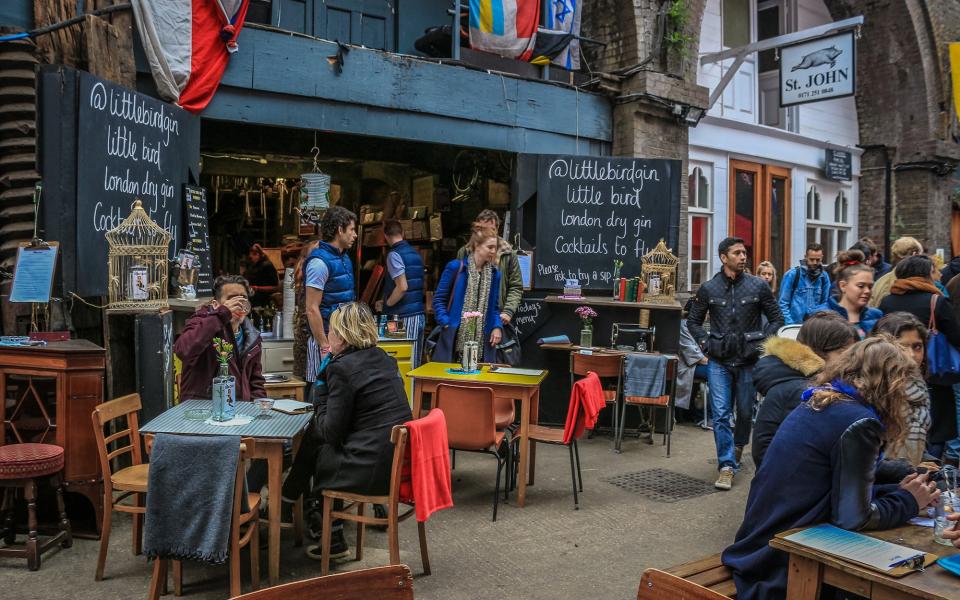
<point x="735" y="302"/>
<point x="224" y="318"/>
<point x="804" y="286"/>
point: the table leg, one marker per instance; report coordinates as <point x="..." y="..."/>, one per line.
<point x="417" y="398"/>
<point x="804" y="578"/>
<point x="534" y="419"/>
<point x="524" y="450"/>
<point x="274" y="456"/>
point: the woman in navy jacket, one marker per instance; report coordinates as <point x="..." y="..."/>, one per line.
<point x="470" y="284"/>
<point x="821" y="465"/>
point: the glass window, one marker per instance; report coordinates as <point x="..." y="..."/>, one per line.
<point x="736" y="23"/>
<point x="833" y="231"/>
<point x="840" y="207"/>
<point x="698" y="189"/>
<point x="745" y="184"/>
<point x="699" y="222"/>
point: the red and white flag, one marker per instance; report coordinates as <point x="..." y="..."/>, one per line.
<point x="188" y="44"/>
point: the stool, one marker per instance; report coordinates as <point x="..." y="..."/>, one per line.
<point x="20" y="466"/>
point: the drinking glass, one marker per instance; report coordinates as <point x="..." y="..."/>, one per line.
<point x="265" y="405"/>
<point x="949" y="503"/>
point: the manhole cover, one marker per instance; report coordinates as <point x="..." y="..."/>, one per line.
<point x="662" y="485"/>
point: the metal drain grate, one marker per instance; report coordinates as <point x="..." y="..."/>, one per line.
<point x="662" y="485"/>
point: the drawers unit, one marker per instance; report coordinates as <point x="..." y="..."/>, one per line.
<point x="402" y="351"/>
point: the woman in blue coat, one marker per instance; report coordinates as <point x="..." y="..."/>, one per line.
<point x="821" y="465"/>
<point x="470" y="284"/>
<point x="855" y="282"/>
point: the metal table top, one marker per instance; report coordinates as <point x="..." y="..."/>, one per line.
<point x="278" y="425"/>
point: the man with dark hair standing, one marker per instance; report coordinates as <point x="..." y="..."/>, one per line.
<point x="403" y="287"/>
<point x="804" y="286"/>
<point x="328" y="277"/>
<point x="735" y="302"/>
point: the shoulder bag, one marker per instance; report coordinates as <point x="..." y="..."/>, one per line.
<point x="942" y="358"/>
<point x="508" y="350"/>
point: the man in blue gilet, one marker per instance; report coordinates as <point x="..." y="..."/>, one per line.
<point x="403" y="286"/>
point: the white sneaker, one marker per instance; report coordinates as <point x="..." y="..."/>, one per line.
<point x="725" y="479"/>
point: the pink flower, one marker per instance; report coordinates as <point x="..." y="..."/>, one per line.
<point x="585" y="312"/>
<point x="472" y="315"/>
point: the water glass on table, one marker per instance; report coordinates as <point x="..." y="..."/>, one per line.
<point x="265" y="405"/>
<point x="948" y="503"/>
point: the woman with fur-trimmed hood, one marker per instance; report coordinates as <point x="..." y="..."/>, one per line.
<point x="785" y="371"/>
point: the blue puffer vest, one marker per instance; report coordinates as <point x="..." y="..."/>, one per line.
<point x="339" y="288"/>
<point x="412" y="301"/>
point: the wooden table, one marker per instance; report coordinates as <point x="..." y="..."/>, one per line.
<point x="524" y="388"/>
<point x="270" y="435"/>
<point x="291" y="388"/>
<point x="810" y="569"/>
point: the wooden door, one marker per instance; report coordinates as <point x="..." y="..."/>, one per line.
<point x="760" y="212"/>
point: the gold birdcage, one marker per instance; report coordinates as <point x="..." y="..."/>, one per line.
<point x="138" y="262"/>
<point x="659" y="272"/>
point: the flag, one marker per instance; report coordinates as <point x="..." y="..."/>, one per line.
<point x="188" y="45"/>
<point x="955" y="73"/>
<point x="563" y="16"/>
<point x="504" y="27"/>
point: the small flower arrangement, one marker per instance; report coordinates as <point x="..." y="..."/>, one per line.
<point x="224" y="350"/>
<point x="470" y="319"/>
<point x="617" y="265"/>
<point x="586" y="315"/>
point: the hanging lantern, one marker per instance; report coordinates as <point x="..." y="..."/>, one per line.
<point x="659" y="273"/>
<point x="138" y="262"/>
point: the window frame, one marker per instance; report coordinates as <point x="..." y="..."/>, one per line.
<point x="707" y="171"/>
<point x="829" y="193"/>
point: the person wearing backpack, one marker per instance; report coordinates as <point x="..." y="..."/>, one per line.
<point x="804" y="286"/>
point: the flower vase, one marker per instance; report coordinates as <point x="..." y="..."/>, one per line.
<point x="470" y="356"/>
<point x="224" y="395"/>
<point x="586" y="337"/>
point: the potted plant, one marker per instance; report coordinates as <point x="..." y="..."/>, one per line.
<point x="471" y="349"/>
<point x="586" y="315"/>
<point x="224" y="384"/>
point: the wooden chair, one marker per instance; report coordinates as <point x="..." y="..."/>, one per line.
<point x="660" y="585"/>
<point x="383" y="583"/>
<point x="665" y="402"/>
<point x="130" y="481"/>
<point x="708" y="572"/>
<point x="470" y="413"/>
<point x="400" y="437"/>
<point x="607" y="367"/>
<point x="244" y="531"/>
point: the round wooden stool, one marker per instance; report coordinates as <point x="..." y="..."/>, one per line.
<point x="21" y="465"/>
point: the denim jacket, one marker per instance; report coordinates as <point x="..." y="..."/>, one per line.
<point x="799" y="295"/>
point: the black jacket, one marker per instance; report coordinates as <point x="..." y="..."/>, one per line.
<point x="781" y="376"/>
<point x="352" y="425"/>
<point x="950" y="270"/>
<point x="735" y="307"/>
<point x="917" y="303"/>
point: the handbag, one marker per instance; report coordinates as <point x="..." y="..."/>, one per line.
<point x="942" y="358"/>
<point x="508" y="350"/>
<point x="430" y="343"/>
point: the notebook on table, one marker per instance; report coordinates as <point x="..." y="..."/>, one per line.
<point x="874" y="554"/>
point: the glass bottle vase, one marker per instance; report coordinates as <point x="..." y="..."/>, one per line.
<point x="224" y="395"/>
<point x="586" y="337"/>
<point x="470" y="356"/>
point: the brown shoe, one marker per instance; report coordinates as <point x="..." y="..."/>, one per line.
<point x="725" y="479"/>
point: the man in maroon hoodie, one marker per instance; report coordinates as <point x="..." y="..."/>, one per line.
<point x="225" y="318"/>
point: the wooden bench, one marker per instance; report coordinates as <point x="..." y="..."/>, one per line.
<point x="704" y="579"/>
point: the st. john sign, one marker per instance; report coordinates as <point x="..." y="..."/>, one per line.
<point x="821" y="69"/>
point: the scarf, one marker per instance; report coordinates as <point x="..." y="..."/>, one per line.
<point x="916" y="414"/>
<point x="475" y="300"/>
<point x="914" y="284"/>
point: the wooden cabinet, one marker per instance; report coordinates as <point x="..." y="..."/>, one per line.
<point x="47" y="394"/>
<point x="402" y="350"/>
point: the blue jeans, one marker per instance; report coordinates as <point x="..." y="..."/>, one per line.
<point x="730" y="388"/>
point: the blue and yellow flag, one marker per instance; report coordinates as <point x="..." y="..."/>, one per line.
<point x="504" y="27"/>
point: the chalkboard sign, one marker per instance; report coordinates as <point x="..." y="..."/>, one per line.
<point x="129" y="146"/>
<point x="592" y="210"/>
<point x="838" y="165"/>
<point x="197" y="238"/>
<point x="530" y="316"/>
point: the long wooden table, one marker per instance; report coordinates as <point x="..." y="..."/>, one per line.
<point x="810" y="569"/>
<point x="270" y="435"/>
<point x="522" y="388"/>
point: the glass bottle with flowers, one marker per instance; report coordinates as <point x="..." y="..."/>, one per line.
<point x="224" y="384"/>
<point x="470" y="357"/>
<point x="586" y="314"/>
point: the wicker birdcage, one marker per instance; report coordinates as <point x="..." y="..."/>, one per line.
<point x="659" y="272"/>
<point x="138" y="262"/>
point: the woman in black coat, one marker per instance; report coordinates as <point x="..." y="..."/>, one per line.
<point x="914" y="292"/>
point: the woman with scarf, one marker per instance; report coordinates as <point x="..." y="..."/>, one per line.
<point x="821" y="465"/>
<point x="914" y="292"/>
<point x="470" y="285"/>
<point x="854" y="279"/>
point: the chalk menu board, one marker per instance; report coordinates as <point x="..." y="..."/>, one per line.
<point x="197" y="238"/>
<point x="592" y="210"/>
<point x="530" y="316"/>
<point x="129" y="146"/>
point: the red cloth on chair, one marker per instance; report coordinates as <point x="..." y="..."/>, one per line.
<point x="586" y="402"/>
<point x="429" y="453"/>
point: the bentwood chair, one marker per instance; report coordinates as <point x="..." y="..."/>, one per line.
<point x="393" y="582"/>
<point x="244" y="532"/>
<point x="130" y="482"/>
<point x="609" y="368"/>
<point x="660" y="585"/>
<point x="400" y="438"/>
<point x="471" y="426"/>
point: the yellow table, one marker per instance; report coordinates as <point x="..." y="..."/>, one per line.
<point x="524" y="388"/>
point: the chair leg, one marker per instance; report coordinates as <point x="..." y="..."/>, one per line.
<point x="105" y="534"/>
<point x="64" y="521"/>
<point x="9" y="529"/>
<point x="298" y="522"/>
<point x="177" y="578"/>
<point x="255" y="555"/>
<point x="573" y="477"/>
<point x="496" y="487"/>
<point x="623" y="422"/>
<point x="360" y="530"/>
<point x="576" y="453"/>
<point x="33" y="545"/>
<point x="424" y="554"/>
<point x="325" y="536"/>
<point x="507" y="475"/>
<point x="453" y="460"/>
<point x="235" y="564"/>
<point x="137" y="529"/>
<point x="158" y="579"/>
<point x="393" y="534"/>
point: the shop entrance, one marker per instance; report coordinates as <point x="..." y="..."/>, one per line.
<point x="760" y="212"/>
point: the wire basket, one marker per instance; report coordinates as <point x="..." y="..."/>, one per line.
<point x="137" y="262"/>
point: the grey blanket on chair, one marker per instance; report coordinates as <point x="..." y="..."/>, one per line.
<point x="645" y="375"/>
<point x="190" y="497"/>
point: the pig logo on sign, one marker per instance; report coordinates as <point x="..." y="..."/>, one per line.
<point x="826" y="56"/>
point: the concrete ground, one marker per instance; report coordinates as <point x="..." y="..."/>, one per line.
<point x="546" y="550"/>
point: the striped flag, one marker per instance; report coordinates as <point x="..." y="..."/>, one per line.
<point x="188" y="45"/>
<point x="504" y="27"/>
<point x="564" y="16"/>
